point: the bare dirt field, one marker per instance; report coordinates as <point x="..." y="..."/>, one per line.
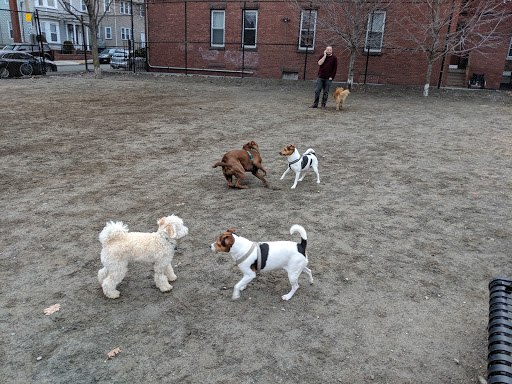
<point x="411" y="220"/>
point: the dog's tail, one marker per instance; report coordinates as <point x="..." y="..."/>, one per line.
<point x="113" y="230"/>
<point x="219" y="164"/>
<point x="303" y="235"/>
<point x="310" y="150"/>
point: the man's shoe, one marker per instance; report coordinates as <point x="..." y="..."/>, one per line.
<point x="314" y="106"/>
<point x="323" y="106"/>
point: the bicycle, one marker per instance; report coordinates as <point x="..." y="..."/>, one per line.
<point x="26" y="69"/>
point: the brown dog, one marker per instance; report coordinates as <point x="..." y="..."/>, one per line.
<point x="237" y="162"/>
<point x="340" y="95"/>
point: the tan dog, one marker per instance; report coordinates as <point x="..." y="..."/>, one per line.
<point x="237" y="162"/>
<point x="121" y="247"/>
<point x="340" y="95"/>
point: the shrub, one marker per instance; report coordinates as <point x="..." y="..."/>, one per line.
<point x="67" y="47"/>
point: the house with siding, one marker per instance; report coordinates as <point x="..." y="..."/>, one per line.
<point x="57" y="25"/>
<point x="284" y="39"/>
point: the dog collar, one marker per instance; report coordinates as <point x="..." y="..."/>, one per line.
<point x="243" y="258"/>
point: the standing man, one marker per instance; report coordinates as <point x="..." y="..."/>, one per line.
<point x="328" y="64"/>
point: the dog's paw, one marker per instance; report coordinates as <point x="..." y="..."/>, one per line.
<point x="282" y="177"/>
<point x="293" y="186"/>
<point x="165" y="288"/>
<point x="235" y="296"/>
<point x="286" y="297"/>
<point x="318" y="181"/>
<point x="172" y="277"/>
<point x="113" y="295"/>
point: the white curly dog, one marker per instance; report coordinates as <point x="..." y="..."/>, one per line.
<point x="121" y="246"/>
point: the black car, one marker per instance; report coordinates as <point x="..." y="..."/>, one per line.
<point x="16" y="63"/>
<point x="33" y="49"/>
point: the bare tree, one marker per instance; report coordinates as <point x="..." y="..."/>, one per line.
<point x="430" y="26"/>
<point x="95" y="12"/>
<point x="346" y="23"/>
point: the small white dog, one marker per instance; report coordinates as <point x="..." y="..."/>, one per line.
<point x="298" y="163"/>
<point x="255" y="257"/>
<point x="121" y="247"/>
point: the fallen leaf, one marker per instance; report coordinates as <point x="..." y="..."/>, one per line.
<point x="113" y="353"/>
<point x="54" y="308"/>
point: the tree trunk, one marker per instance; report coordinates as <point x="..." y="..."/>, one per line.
<point x="427" y="80"/>
<point x="93" y="36"/>
<point x="350" y="79"/>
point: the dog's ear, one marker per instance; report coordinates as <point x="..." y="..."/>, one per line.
<point x="171" y="231"/>
<point x="228" y="241"/>
<point x="161" y="221"/>
<point x="231" y="231"/>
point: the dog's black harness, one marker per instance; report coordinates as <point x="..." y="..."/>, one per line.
<point x="304" y="159"/>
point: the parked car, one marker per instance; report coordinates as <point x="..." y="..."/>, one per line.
<point x="16" y="63"/>
<point x="33" y="49"/>
<point x="123" y="60"/>
<point x="107" y="54"/>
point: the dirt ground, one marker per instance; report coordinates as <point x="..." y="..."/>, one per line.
<point x="411" y="220"/>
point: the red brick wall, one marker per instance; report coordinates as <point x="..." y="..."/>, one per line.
<point x="398" y="63"/>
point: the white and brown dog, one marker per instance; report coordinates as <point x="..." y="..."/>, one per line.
<point x="299" y="164"/>
<point x="253" y="257"/>
<point x="120" y="247"/>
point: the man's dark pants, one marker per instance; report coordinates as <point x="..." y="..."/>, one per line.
<point x="322" y="84"/>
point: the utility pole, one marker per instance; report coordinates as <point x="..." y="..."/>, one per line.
<point x="16" y="31"/>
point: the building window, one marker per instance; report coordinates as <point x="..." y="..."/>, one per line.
<point x="217" y="28"/>
<point x="108" y="33"/>
<point x="54" y="35"/>
<point x="124" y="8"/>
<point x="46" y="3"/>
<point x="249" y="29"/>
<point x="307" y="29"/>
<point x="142" y="10"/>
<point x="509" y="56"/>
<point x="106" y="5"/>
<point x="126" y="34"/>
<point x="11" y="33"/>
<point x="375" y="32"/>
<point x="84" y="7"/>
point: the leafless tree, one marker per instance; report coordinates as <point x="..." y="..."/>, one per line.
<point x="430" y="25"/>
<point x="346" y="23"/>
<point x="95" y="13"/>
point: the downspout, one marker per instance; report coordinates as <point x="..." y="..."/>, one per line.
<point x="445" y="46"/>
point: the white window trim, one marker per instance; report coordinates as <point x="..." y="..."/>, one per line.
<point x="223" y="28"/>
<point x="374" y="50"/>
<point x="124" y="8"/>
<point x="44" y="3"/>
<point x="129" y="37"/>
<point x="509" y="53"/>
<point x="302" y="13"/>
<point x="255" y="30"/>
<point x="109" y="29"/>
<point x="11" y="31"/>
<point x="106" y="5"/>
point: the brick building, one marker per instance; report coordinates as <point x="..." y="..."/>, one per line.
<point x="283" y="39"/>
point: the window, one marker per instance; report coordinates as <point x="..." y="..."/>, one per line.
<point x="126" y="34"/>
<point x="307" y="29"/>
<point x="108" y="33"/>
<point x="106" y="5"/>
<point x="142" y="11"/>
<point x="509" y="56"/>
<point x="249" y="29"/>
<point x="53" y="32"/>
<point x="375" y="32"/>
<point x="84" y="7"/>
<point x="46" y="3"/>
<point x="124" y="8"/>
<point x="217" y="29"/>
<point x="11" y="33"/>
